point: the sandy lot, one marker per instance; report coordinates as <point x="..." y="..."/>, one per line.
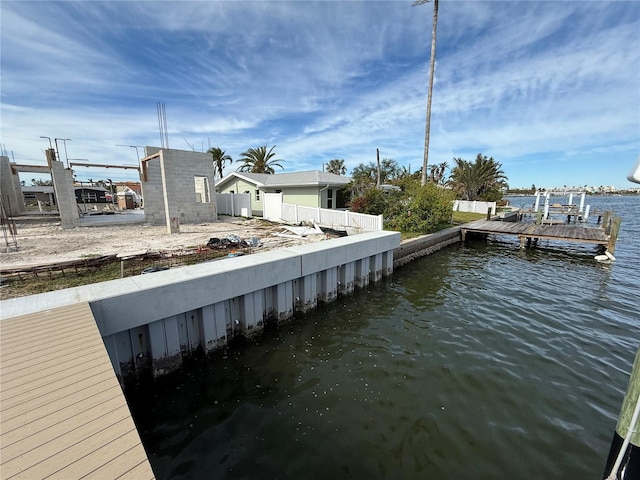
<point x="41" y="240"/>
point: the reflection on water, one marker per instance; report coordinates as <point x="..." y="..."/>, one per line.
<point x="480" y="361"/>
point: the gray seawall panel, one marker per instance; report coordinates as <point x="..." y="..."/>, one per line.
<point x="153" y="321"/>
<point x="418" y="247"/>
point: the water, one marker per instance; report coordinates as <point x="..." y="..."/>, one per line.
<point x="481" y="361"/>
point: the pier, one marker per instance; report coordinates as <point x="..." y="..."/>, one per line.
<point x="531" y="232"/>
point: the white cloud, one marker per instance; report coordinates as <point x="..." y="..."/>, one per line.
<point x="325" y="80"/>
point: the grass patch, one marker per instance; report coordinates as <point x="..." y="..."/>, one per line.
<point x="464" y="217"/>
<point x="47" y="281"/>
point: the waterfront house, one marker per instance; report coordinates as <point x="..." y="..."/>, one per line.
<point x="311" y="188"/>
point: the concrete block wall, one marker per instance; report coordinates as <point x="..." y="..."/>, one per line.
<point x="10" y="189"/>
<point x="155" y="320"/>
<point x="170" y="190"/>
<point x="152" y="193"/>
<point x="65" y="195"/>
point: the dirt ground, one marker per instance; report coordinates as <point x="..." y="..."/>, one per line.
<point x="42" y="241"/>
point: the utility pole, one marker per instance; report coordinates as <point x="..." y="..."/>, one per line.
<point x="432" y="66"/>
<point x="378" y="157"/>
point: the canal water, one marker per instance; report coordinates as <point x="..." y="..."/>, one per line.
<point x="481" y="361"/>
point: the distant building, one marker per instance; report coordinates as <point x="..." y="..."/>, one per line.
<point x="90" y="194"/>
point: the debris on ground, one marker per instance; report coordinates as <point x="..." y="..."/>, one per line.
<point x="233" y="241"/>
<point x="301" y="231"/>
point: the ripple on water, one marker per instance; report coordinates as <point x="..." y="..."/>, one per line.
<point x="480" y="361"/>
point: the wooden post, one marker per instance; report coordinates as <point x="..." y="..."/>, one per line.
<point x="489" y="213"/>
<point x="615" y="229"/>
<point x="606" y="219"/>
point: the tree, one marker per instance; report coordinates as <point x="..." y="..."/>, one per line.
<point x="389" y="170"/>
<point x="432" y="66"/>
<point x="258" y="160"/>
<point x="41" y="183"/>
<point x="336" y="166"/>
<point x="436" y="172"/>
<point x="220" y="157"/>
<point x="483" y="179"/>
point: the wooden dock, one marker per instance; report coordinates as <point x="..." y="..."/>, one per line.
<point x="528" y="232"/>
<point x="62" y="411"/>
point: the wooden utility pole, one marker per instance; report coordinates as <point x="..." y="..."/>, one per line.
<point x="432" y="66"/>
<point x="378" y="157"/>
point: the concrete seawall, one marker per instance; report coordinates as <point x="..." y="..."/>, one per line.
<point x="414" y="248"/>
<point x="152" y="321"/>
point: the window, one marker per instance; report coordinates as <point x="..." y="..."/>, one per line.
<point x="257" y="195"/>
<point x="330" y="198"/>
<point x="202" y="189"/>
<point x="278" y="191"/>
<point x="89" y="196"/>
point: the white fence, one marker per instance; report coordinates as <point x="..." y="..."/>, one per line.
<point x="474" y="206"/>
<point x="358" y="222"/>
<point x="234" y="204"/>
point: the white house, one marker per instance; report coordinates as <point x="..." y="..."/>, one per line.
<point x="312" y="189"/>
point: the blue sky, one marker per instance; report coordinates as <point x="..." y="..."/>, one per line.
<point x="550" y="89"/>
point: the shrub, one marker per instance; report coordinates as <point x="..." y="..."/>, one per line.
<point x="428" y="209"/>
<point x="417" y="209"/>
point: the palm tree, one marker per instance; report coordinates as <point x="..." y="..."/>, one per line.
<point x="336" y="166"/>
<point x="220" y="157"/>
<point x="473" y="180"/>
<point x="258" y="160"/>
<point x="436" y="172"/>
<point x="432" y="66"/>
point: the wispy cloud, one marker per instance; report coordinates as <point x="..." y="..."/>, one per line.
<point x="523" y="82"/>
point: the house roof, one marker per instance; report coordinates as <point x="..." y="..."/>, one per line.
<point x="37" y="189"/>
<point x="294" y="179"/>
<point x="90" y="187"/>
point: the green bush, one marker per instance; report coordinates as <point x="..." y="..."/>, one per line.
<point x="416" y="209"/>
<point x="428" y="209"/>
<point x="373" y="202"/>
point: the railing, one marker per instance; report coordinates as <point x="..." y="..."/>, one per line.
<point x="358" y="222"/>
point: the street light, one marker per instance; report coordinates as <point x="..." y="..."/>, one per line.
<point x="48" y="138"/>
<point x="133" y="146"/>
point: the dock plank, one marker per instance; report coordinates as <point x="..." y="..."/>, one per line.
<point x="570" y="233"/>
<point x="62" y="410"/>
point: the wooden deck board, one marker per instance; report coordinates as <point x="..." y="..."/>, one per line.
<point x="18" y="373"/>
<point x="57" y="411"/>
<point x="68" y="390"/>
<point x="571" y="233"/>
<point x="32" y="345"/>
<point x="117" y="458"/>
<point x="62" y="411"/>
<point x="62" y="379"/>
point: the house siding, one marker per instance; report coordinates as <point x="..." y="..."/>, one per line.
<point x="305" y="196"/>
